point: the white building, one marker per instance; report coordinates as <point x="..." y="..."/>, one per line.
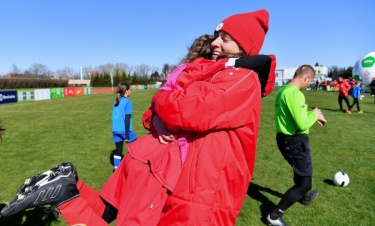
<point x="284" y="75"/>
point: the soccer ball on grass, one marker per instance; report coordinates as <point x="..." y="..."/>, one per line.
<point x="341" y="179"/>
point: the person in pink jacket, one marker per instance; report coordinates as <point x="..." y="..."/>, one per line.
<point x="230" y="116"/>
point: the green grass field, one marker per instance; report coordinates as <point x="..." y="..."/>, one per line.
<point x="42" y="134"/>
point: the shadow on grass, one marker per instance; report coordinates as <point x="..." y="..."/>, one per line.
<point x="329" y="182"/>
<point x="255" y="192"/>
<point x="34" y="217"/>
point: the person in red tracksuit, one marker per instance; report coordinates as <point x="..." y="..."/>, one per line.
<point x="224" y="114"/>
<point x="344" y="88"/>
<point x="221" y="111"/>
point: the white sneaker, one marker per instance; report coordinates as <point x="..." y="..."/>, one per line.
<point x="278" y="222"/>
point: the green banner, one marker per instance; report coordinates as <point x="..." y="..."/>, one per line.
<point x="26" y="95"/>
<point x="56" y="93"/>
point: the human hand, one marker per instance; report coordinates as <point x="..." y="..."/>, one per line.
<point x="321" y="119"/>
<point x="321" y="122"/>
<point x="164" y="135"/>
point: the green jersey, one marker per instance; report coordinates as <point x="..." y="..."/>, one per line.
<point x="291" y="114"/>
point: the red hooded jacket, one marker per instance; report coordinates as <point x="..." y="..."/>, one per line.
<point x="212" y="183"/>
<point x="224" y="114"/>
<point x="344" y="88"/>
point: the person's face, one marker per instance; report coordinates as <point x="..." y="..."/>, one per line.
<point x="340" y="79"/>
<point x="127" y="92"/>
<point x="223" y="43"/>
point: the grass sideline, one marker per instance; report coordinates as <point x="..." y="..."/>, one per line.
<point x="42" y="134"/>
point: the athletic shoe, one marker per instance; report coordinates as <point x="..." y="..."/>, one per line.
<point x="360" y="112"/>
<point x="349" y="111"/>
<point x="309" y="197"/>
<point x="278" y="222"/>
<point x="54" y="187"/>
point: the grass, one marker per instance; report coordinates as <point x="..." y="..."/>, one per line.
<point x="42" y="134"/>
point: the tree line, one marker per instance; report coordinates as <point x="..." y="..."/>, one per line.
<point x="106" y="75"/>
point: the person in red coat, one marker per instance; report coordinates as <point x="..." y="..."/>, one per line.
<point x="344" y="88"/>
<point x="222" y="114"/>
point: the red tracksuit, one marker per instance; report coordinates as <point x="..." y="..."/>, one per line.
<point x="140" y="186"/>
<point x="223" y="115"/>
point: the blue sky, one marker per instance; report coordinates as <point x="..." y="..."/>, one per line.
<point x="74" y="33"/>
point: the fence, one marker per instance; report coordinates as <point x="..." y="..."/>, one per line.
<point x="29" y="95"/>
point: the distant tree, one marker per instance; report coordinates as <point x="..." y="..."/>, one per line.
<point x="116" y="80"/>
<point x="143" y="70"/>
<point x="106" y="80"/>
<point x="105" y="68"/>
<point x="347" y="71"/>
<point x="134" y="79"/>
<point x="141" y="73"/>
<point x="66" y="72"/>
<point x="154" y="77"/>
<point x="124" y="77"/>
<point x="316" y="64"/>
<point x="88" y="71"/>
<point x="130" y="70"/>
<point x="39" y="70"/>
<point x="95" y="80"/>
<point x="122" y="67"/>
<point x="15" y="70"/>
<point x="334" y="72"/>
<point x="166" y="70"/>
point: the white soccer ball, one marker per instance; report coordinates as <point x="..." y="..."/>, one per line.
<point x="341" y="179"/>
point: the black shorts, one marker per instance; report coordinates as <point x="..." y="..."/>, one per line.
<point x="296" y="150"/>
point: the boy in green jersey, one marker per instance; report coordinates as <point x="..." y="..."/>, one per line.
<point x="293" y="121"/>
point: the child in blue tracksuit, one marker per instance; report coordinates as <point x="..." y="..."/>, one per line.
<point x="356" y="94"/>
<point x="122" y="121"/>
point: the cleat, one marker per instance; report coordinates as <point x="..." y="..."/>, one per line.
<point x="53" y="187"/>
<point x="278" y="222"/>
<point x="360" y="112"/>
<point x="349" y="111"/>
<point x="309" y="197"/>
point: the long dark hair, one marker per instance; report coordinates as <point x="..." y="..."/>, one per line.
<point x="122" y="87"/>
<point x="201" y="47"/>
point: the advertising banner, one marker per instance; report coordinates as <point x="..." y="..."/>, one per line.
<point x="8" y="97"/>
<point x="69" y="92"/>
<point x="42" y="94"/>
<point x="88" y="90"/>
<point x="56" y="93"/>
<point x="79" y="91"/>
<point x="26" y="95"/>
